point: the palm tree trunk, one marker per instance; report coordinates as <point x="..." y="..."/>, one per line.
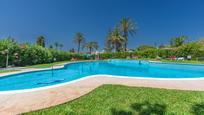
<point x="116" y="47"/>
<point x="7" y="59"/>
<point x="126" y="39"/>
<point x="125" y="45"/>
<point x="78" y="47"/>
<point x="90" y="50"/>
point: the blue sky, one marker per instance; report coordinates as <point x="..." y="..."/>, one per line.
<point x="59" y="20"/>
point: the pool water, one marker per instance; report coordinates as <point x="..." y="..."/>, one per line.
<point x="74" y="71"/>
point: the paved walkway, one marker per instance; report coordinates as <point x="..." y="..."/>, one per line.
<point x="24" y="69"/>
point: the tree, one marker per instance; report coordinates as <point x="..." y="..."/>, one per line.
<point x="127" y="26"/>
<point x="162" y="46"/>
<point x="56" y="44"/>
<point x="9" y="51"/>
<point x="145" y="47"/>
<point x="193" y="49"/>
<point x="178" y="41"/>
<point x="115" y="40"/>
<point x="72" y="50"/>
<point x="61" y="46"/>
<point x="79" y="39"/>
<point x="108" y="44"/>
<point x="201" y="42"/>
<point x="41" y="41"/>
<point x="51" y="46"/>
<point x="91" y="46"/>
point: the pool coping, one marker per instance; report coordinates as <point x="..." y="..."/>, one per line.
<point x="16" y="103"/>
<point x="92" y="76"/>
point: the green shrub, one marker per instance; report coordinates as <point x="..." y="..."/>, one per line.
<point x="114" y="55"/>
<point x="166" y="53"/>
<point x="28" y="54"/>
<point x="145" y="47"/>
<point x="148" y="53"/>
<point x="10" y="47"/>
<point x="193" y="49"/>
<point x="34" y="54"/>
<point x="106" y="55"/>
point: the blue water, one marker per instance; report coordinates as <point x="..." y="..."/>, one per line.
<point x="129" y="68"/>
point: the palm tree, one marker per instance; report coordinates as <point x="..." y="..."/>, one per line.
<point x="60" y="46"/>
<point x="127" y="26"/>
<point x="78" y="39"/>
<point x="91" y="46"/>
<point x="51" y="46"/>
<point x="108" y="45"/>
<point x="115" y="39"/>
<point x="72" y="50"/>
<point x="41" y="41"/>
<point x="56" y="44"/>
<point x="178" y="41"/>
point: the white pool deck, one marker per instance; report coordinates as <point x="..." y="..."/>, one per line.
<point x="28" y="100"/>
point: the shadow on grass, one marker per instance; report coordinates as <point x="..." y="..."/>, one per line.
<point x="120" y="112"/>
<point x="145" y="108"/>
<point x="198" y="109"/>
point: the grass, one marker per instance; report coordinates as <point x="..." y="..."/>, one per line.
<point x="47" y="65"/>
<point x="37" y="66"/>
<point x="123" y="100"/>
<point x="184" y="62"/>
<point x="176" y="61"/>
<point x="6" y="71"/>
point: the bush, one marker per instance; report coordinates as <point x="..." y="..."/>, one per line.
<point x="10" y="47"/>
<point x="27" y="54"/>
<point x="106" y="55"/>
<point x="34" y="54"/>
<point x="148" y="53"/>
<point x="145" y="47"/>
<point x="192" y="49"/>
<point x="166" y="53"/>
<point x="114" y="55"/>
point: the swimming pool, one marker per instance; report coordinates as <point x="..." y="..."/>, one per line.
<point x="74" y="71"/>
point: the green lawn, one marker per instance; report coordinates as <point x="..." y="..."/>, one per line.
<point x="5" y="71"/>
<point x="47" y="65"/>
<point x="37" y="66"/>
<point x="185" y="61"/>
<point x="176" y="61"/>
<point x="123" y="100"/>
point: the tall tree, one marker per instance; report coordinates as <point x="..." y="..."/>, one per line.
<point x="8" y="51"/>
<point x="61" y="46"/>
<point x="56" y="44"/>
<point x="127" y="26"/>
<point x="178" y="41"/>
<point x="72" y="50"/>
<point x="115" y="40"/>
<point x="79" y="39"/>
<point x="41" y="41"/>
<point x="91" y="46"/>
<point x="108" y="44"/>
<point x="51" y="46"/>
